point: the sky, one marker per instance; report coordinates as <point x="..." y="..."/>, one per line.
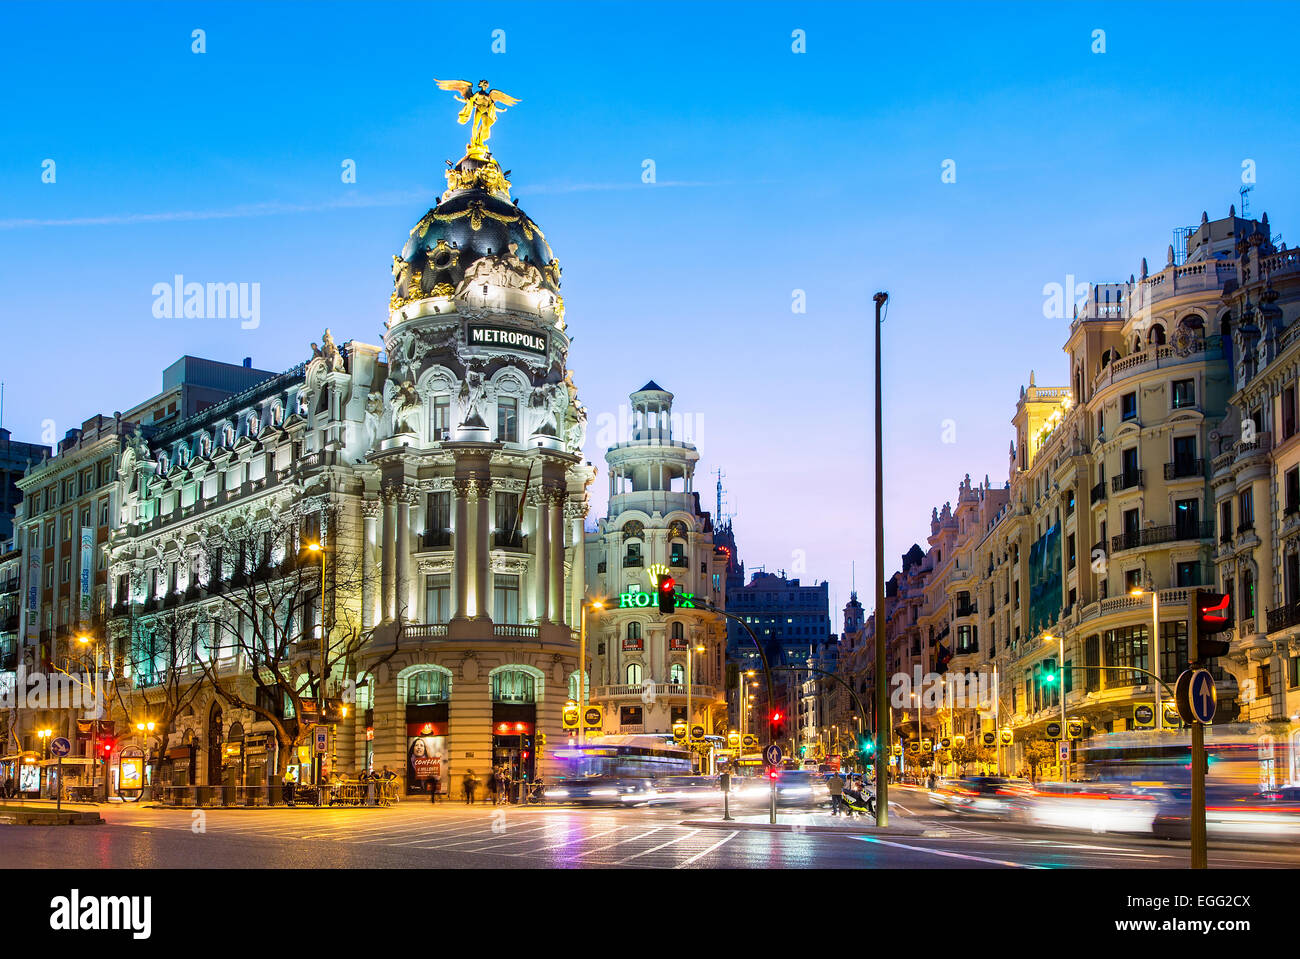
<point x="788" y="187"/>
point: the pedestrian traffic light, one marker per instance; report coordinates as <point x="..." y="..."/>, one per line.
<point x="1213" y="615"/>
<point x="803" y="751"/>
<point x="667" y="595"/>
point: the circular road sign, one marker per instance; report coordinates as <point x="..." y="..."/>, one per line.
<point x="60" y="746"/>
<point x="772" y="755"/>
<point x="990" y="739"/>
<point x="1054" y="730"/>
<point x="1144" y="715"/>
<point x="697" y="733"/>
<point x="1196" y="696"/>
<point x="749" y="740"/>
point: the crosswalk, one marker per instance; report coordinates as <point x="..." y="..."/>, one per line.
<point x="503" y="834"/>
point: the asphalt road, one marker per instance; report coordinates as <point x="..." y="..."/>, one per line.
<point x="420" y="835"/>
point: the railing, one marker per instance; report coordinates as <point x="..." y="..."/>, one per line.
<point x="633" y="561"/>
<point x="345" y="793"/>
<point x="505" y="539"/>
<point x="1184" y="467"/>
<point x="1128" y="480"/>
<point x="649" y="688"/>
<point x="600" y="567"/>
<point x="435" y="539"/>
<point x="10" y="585"/>
<point x="678" y="562"/>
<point x="1283" y="617"/>
<point x="426" y="630"/>
<point x="970" y="609"/>
<point x="514" y="631"/>
<point x="1162" y="534"/>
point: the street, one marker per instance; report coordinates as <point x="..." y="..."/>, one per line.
<point x="421" y="835"/>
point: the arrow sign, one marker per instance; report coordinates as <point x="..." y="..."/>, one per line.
<point x="60" y="747"/>
<point x="772" y="755"/>
<point x="1202" y="698"/>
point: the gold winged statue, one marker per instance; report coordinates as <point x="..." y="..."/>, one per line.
<point x="482" y="105"/>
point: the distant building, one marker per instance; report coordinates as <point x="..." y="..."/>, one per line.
<point x="15" y="460"/>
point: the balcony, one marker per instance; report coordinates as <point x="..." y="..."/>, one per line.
<point x="1131" y="479"/>
<point x="630" y="561"/>
<point x="437" y="539"/>
<point x="508" y="539"/>
<point x="1284" y="617"/>
<point x="1181" y="468"/>
<point x="426" y="631"/>
<point x="513" y="631"/>
<point x="1246" y="526"/>
<point x="10" y="622"/>
<point x="678" y="562"/>
<point x="969" y="609"/>
<point x="1161" y="534"/>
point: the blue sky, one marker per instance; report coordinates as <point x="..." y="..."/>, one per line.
<point x="776" y="172"/>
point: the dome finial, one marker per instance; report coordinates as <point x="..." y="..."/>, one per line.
<point x="481" y="106"/>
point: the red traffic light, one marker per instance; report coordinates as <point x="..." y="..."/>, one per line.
<point x="771" y="774"/>
<point x="776" y="717"/>
<point x="667" y="585"/>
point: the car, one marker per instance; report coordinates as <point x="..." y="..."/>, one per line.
<point x="1097" y="807"/>
<point x="1263" y="815"/>
<point x="602" y="790"/>
<point x="996" y="796"/>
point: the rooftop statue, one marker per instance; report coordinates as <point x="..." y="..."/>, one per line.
<point x="481" y="105"/>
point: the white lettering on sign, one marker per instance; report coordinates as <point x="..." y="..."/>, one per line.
<point x="497" y="336"/>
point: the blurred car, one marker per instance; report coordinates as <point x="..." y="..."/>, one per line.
<point x="946" y="792"/>
<point x="602" y="790"/>
<point x="1231" y="813"/>
<point x="998" y="796"/>
<point x="687" y="791"/>
<point x="1097" y="807"/>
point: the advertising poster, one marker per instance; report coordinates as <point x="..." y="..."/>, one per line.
<point x="29" y="778"/>
<point x="87" y="552"/>
<point x="132" y="776"/>
<point x="426" y="756"/>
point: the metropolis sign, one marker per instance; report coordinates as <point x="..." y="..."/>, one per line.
<point x="505" y="336"/>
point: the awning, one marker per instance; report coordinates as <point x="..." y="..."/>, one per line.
<point x="68" y="761"/>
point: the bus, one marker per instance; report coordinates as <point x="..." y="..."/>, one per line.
<point x="1236" y="756"/>
<point x="618" y="770"/>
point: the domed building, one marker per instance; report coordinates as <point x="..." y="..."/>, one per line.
<point x="441" y="484"/>
<point x="650" y="671"/>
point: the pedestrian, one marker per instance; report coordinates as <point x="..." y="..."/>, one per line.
<point x="9" y="787"/>
<point x="494" y="781"/>
<point x="435" y="787"/>
<point x="836" y="787"/>
<point x="469" y="784"/>
<point x="368" y="777"/>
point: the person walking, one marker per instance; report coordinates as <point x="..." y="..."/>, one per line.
<point x="836" y="787"/>
<point x="435" y="787"/>
<point x="469" y="784"/>
<point x="494" y="781"/>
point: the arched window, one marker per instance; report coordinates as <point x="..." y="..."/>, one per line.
<point x="679" y="631"/>
<point x="634" y="674"/>
<point x="677" y="674"/>
<point x="1157" y="335"/>
<point x="633" y="557"/>
<point x="634" y="630"/>
<point x="513" y="686"/>
<point x="573" y="686"/>
<point x="426" y="687"/>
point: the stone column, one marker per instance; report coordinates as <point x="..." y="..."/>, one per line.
<point x="557" y="554"/>
<point x="404" y="497"/>
<point x="1262" y="502"/>
<point x="542" y="559"/>
<point x="576" y="511"/>
<point x="370" y="511"/>
<point x="388" y="583"/>
<point x="460" y="574"/>
<point x="481" y="494"/>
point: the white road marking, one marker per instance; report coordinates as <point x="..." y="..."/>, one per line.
<point x="645" y="852"/>
<point x="716" y="845"/>
<point x="943" y="852"/>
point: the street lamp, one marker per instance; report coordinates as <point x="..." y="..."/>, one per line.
<point x="319" y="547"/>
<point x="690" y="674"/>
<point x="1065" y="760"/>
<point x="86" y="640"/>
<point x="1155" y="641"/>
<point x="582" y="666"/>
<point x="44" y="736"/>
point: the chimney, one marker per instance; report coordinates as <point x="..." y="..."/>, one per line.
<point x="248" y="362"/>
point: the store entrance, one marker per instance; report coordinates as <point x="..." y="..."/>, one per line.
<point x="513" y="747"/>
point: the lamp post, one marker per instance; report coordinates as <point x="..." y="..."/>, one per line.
<point x="883" y="734"/>
<point x="582" y="667"/>
<point x="319" y="547"/>
<point x="94" y="722"/>
<point x="917" y="697"/>
<point x="44" y="736"/>
<point x="1155" y="641"/>
<point x="1065" y="740"/>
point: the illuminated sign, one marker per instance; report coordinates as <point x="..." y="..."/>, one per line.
<point x="636" y="599"/>
<point x="509" y="338"/>
<point x="132" y="774"/>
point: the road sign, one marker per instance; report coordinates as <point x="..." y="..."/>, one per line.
<point x="1196" y="697"/>
<point x="927" y="746"/>
<point x="772" y="755"/>
<point x="322" y="736"/>
<point x="1144" y="716"/>
<point x="1172" y="719"/>
<point x="990" y="739"/>
<point x="1065" y="751"/>
<point x="1054" y="730"/>
<point x="1074" y="728"/>
<point x="60" y="747"/>
<point x="569" y="716"/>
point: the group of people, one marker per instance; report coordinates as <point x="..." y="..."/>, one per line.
<point x="854" y="786"/>
<point x="499" y="786"/>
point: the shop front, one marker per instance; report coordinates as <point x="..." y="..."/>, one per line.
<point x="426" y="756"/>
<point x="512" y="741"/>
<point x="259" y="762"/>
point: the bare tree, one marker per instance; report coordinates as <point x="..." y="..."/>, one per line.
<point x="277" y="617"/>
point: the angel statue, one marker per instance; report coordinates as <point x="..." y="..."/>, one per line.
<point x="482" y="105"/>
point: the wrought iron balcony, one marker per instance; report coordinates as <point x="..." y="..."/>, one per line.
<point x="969" y="609"/>
<point x="1184" y="466"/>
<point x="438" y="538"/>
<point x="1161" y="534"/>
<point x="633" y="561"/>
<point x="1284" y="617"/>
<point x="1127" y="480"/>
<point x="1098" y="492"/>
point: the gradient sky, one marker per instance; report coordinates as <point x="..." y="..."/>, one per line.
<point x="776" y="171"/>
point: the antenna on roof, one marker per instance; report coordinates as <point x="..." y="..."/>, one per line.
<point x="1245" y="198"/>
<point x="721" y="499"/>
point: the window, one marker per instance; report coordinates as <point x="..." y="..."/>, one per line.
<point x="1173" y="650"/>
<point x="1292" y="491"/>
<point x="1126" y="648"/>
<point x="437" y="598"/>
<point x="1187" y="518"/>
<point x="677" y="674"/>
<point x="441" y="418"/>
<point x="677" y="556"/>
<point x="1184" y="393"/>
<point x="427" y="687"/>
<point x="513" y="686"/>
<point x="437" y="512"/>
<point x="505" y="598"/>
<point x="1247" y="594"/>
<point x="1185" y="457"/>
<point x="1069" y="504"/>
<point x="507" y="420"/>
<point x="67" y="569"/>
<point x="1092" y="660"/>
<point x="1131" y="580"/>
<point x="1246" y="510"/>
<point x="677" y="637"/>
<point x="630" y="716"/>
<point x="633" y="638"/>
<point x="1288" y="412"/>
<point x="1128" y="406"/>
<point x="1187" y="574"/>
<point x="1225" y="521"/>
<point x="1069" y="550"/>
<point x="634" y="674"/>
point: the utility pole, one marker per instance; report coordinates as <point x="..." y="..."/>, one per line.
<point x="884" y="737"/>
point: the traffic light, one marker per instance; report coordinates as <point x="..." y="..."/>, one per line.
<point x="867" y="747"/>
<point x="774" y="727"/>
<point x="541" y="739"/>
<point x="667" y="595"/>
<point x="803" y="751"/>
<point x="1213" y="615"/>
